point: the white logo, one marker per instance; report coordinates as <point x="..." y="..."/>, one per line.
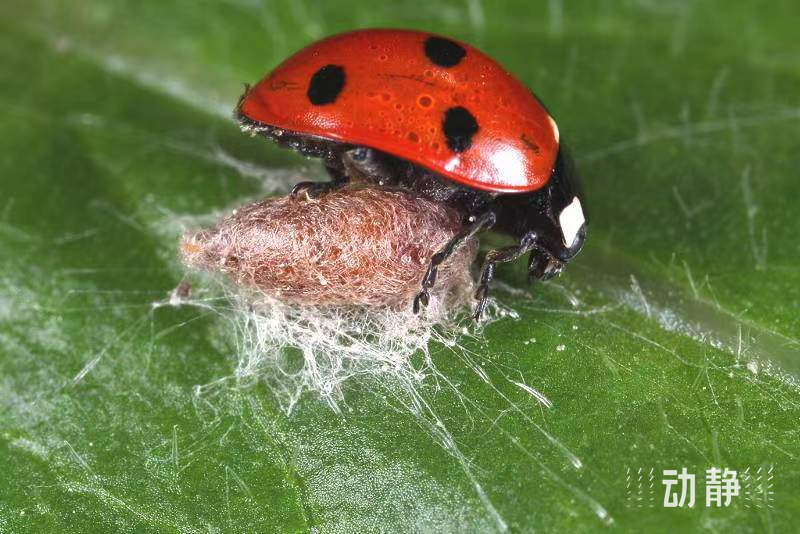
<point x="722" y="486"/>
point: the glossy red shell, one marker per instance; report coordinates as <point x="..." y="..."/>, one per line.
<point x="394" y="99"/>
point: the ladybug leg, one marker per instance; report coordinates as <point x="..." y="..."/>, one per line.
<point x="493" y="257"/>
<point x="544" y="266"/>
<point x="316" y="189"/>
<point x="367" y="165"/>
<point x="483" y="222"/>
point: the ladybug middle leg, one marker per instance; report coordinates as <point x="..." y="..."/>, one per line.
<point x="483" y="222"/>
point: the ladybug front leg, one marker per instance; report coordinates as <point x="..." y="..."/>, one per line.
<point x="544" y="266"/>
<point x="528" y="242"/>
<point x="483" y="222"/>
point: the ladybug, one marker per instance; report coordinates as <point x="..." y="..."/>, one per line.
<point x="419" y="111"/>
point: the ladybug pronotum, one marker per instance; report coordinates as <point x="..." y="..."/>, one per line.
<point x="428" y="114"/>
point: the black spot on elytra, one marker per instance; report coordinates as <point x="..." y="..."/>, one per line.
<point x="325" y="85"/>
<point x="444" y="52"/>
<point x="459" y="126"/>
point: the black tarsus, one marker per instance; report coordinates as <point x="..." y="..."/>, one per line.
<point x="314" y="189"/>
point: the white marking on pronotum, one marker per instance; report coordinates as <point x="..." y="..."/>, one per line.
<point x="554" y="127"/>
<point x="571" y="219"/>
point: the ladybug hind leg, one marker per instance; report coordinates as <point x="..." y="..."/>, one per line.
<point x="483" y="222"/>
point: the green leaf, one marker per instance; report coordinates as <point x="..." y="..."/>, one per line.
<point x="671" y="342"/>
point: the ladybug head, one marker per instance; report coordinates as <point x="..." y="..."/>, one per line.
<point x="554" y="216"/>
<point x="566" y="206"/>
<point x="565" y="240"/>
<point x="558" y="217"/>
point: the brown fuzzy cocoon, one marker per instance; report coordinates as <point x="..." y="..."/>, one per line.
<point x="354" y="246"/>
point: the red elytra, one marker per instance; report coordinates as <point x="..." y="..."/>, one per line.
<point x="394" y="90"/>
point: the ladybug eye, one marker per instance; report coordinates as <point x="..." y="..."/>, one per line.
<point x="359" y="154"/>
